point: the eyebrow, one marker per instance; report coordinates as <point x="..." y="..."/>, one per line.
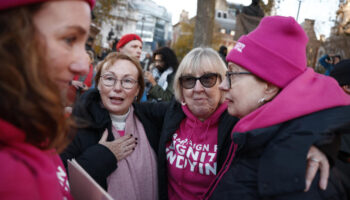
<point x="77" y="28"/>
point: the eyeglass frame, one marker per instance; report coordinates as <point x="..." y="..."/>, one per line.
<point x="199" y="78"/>
<point x="228" y="75"/>
<point x="115" y="81"/>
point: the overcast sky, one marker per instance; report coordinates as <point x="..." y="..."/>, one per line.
<point x="323" y="11"/>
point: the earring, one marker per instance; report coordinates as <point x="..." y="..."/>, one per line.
<point x="183" y="103"/>
<point x="262" y="100"/>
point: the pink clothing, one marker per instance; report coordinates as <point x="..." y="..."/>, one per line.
<point x="136" y="175"/>
<point x="309" y="92"/>
<point x="27" y="172"/>
<point x="192" y="154"/>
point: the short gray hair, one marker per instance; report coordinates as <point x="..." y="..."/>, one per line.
<point x="198" y="59"/>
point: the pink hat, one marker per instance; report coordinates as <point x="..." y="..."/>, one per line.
<point x="275" y="51"/>
<point x="126" y="39"/>
<point x="6" y="4"/>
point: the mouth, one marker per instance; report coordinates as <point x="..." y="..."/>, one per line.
<point x="228" y="100"/>
<point x="116" y="100"/>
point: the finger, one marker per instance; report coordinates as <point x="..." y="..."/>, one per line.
<point x="127" y="153"/>
<point x="130" y="141"/>
<point x="324" y="173"/>
<point x="130" y="146"/>
<point x="104" y="136"/>
<point x="311" y="171"/>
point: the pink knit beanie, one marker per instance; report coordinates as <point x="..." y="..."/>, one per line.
<point x="6" y="4"/>
<point x="275" y="51"/>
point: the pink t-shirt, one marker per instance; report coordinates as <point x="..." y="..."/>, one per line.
<point x="191" y="156"/>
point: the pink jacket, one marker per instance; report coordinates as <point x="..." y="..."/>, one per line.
<point x="27" y="172"/>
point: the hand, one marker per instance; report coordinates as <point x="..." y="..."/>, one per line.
<point x="77" y="84"/>
<point x="150" y="78"/>
<point x="122" y="147"/>
<point x="317" y="161"/>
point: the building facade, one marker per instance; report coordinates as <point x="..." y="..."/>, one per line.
<point x="143" y="17"/>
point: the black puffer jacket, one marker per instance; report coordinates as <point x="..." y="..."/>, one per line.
<point x="95" y="158"/>
<point x="270" y="162"/>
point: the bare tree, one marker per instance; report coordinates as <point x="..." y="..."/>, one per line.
<point x="203" y="34"/>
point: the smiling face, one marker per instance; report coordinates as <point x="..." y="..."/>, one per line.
<point x="117" y="99"/>
<point x="202" y="101"/>
<point x="245" y="92"/>
<point x="63" y="28"/>
<point x="132" y="48"/>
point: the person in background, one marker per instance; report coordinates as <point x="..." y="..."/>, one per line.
<point x="80" y="84"/>
<point x="223" y="53"/>
<point x="341" y="73"/>
<point x="328" y="62"/>
<point x="131" y="45"/>
<point x="195" y="128"/>
<point x="121" y="159"/>
<point x="284" y="108"/>
<point x="146" y="62"/>
<point x="162" y="76"/>
<point x="42" y="47"/>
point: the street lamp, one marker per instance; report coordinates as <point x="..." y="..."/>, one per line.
<point x="298" y="9"/>
<point x="143" y="20"/>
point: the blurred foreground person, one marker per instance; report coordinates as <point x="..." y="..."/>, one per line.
<point x="42" y="47"/>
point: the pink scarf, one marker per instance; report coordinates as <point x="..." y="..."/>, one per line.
<point x="136" y="175"/>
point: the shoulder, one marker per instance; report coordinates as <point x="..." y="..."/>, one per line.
<point x="325" y="120"/>
<point x="21" y="171"/>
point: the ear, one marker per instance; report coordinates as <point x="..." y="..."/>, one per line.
<point x="138" y="91"/>
<point x="271" y="91"/>
<point x="346" y="88"/>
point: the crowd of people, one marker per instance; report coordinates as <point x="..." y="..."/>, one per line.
<point x="251" y="123"/>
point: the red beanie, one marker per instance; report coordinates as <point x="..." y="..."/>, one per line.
<point x="6" y="4"/>
<point x="126" y="39"/>
<point x="275" y="51"/>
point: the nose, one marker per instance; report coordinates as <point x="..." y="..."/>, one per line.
<point x="198" y="87"/>
<point x="224" y="85"/>
<point x="80" y="66"/>
<point x="117" y="85"/>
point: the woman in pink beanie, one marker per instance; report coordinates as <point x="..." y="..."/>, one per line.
<point x="284" y="108"/>
<point x="42" y="47"/>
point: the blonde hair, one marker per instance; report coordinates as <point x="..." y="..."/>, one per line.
<point x="111" y="59"/>
<point x="198" y="59"/>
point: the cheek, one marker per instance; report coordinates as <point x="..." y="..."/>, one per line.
<point x="56" y="58"/>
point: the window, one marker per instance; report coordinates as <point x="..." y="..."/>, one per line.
<point x="219" y="14"/>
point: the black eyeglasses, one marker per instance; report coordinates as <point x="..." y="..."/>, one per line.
<point x="229" y="74"/>
<point x="207" y="80"/>
<point x="109" y="81"/>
